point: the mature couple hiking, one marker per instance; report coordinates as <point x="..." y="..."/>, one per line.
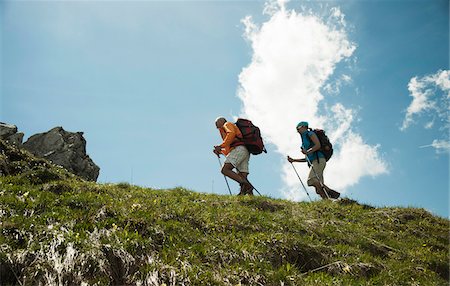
<point x="243" y="138"/>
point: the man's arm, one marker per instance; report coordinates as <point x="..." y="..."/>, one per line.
<point x="229" y="137"/>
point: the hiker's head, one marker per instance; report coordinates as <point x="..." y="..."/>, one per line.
<point x="220" y="121"/>
<point x="302" y="126"/>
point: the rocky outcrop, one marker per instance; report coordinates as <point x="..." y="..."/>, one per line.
<point x="67" y="149"/>
<point x="9" y="133"/>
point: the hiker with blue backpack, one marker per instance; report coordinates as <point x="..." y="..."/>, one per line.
<point x="316" y="155"/>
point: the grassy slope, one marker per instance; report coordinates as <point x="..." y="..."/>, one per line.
<point x="58" y="229"/>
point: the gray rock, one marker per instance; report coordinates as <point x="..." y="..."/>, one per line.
<point x="7" y="130"/>
<point x="15" y="139"/>
<point x="9" y="133"/>
<point x="67" y="149"/>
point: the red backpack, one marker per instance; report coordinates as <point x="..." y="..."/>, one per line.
<point x="251" y="136"/>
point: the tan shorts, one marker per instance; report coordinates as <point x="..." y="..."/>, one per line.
<point x="239" y="158"/>
<point x="318" y="167"/>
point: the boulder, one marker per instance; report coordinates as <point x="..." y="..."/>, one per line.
<point x="67" y="149"/>
<point x="9" y="133"/>
<point x="7" y="130"/>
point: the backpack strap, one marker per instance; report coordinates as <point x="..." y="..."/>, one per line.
<point x="310" y="140"/>
<point x="238" y="140"/>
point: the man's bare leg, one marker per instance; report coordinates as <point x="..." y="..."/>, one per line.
<point x="241" y="178"/>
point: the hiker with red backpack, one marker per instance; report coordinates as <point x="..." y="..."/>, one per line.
<point x="236" y="154"/>
<point x="317" y="155"/>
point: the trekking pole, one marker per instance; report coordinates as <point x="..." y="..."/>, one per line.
<point x="254" y="188"/>
<point x="301" y="182"/>
<point x="317" y="176"/>
<point x="226" y="181"/>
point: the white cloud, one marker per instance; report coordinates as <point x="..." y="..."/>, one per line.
<point x="335" y="87"/>
<point x="355" y="158"/>
<point x="294" y="54"/>
<point x="430" y="105"/>
<point x="429" y="125"/>
<point x="427" y="100"/>
<point x="441" y="146"/>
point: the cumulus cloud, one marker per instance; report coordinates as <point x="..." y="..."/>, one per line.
<point x="430" y="105"/>
<point x="427" y="100"/>
<point x="294" y="55"/>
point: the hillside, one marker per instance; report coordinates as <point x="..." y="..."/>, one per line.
<point x="57" y="229"/>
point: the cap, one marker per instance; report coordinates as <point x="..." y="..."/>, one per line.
<point x="302" y="123"/>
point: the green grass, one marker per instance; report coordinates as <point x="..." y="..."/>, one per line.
<point x="57" y="229"/>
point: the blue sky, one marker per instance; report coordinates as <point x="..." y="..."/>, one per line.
<point x="145" y="81"/>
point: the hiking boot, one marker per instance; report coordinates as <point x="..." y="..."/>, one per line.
<point x="249" y="191"/>
<point x="246" y="188"/>
<point x="242" y="190"/>
<point x="333" y="194"/>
